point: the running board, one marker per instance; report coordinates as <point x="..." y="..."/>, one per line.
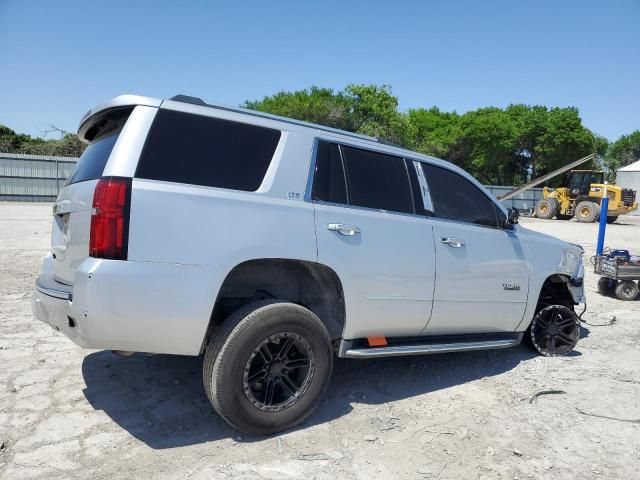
<point x="424" y="346"/>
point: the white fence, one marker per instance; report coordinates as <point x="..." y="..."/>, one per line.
<point x="33" y="178"/>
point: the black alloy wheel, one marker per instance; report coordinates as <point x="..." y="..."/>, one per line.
<point x="555" y="330"/>
<point x="279" y="372"/>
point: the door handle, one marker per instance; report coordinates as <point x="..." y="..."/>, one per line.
<point x="452" y="242"/>
<point x="342" y="229"/>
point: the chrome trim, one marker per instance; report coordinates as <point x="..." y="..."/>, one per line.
<point x="342" y="229"/>
<point x="404" y="350"/>
<point x="52" y="292"/>
<point x="424" y="186"/>
<point x="452" y="242"/>
<point x="308" y="191"/>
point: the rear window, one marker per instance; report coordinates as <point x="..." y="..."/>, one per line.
<point x="103" y="136"/>
<point x="193" y="149"/>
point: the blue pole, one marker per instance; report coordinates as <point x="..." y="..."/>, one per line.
<point x="604" y="207"/>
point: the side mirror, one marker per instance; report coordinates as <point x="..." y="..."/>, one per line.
<point x="512" y="216"/>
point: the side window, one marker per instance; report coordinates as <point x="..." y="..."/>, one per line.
<point x="377" y="181"/>
<point x="455" y="198"/>
<point x="328" y="181"/>
<point x="198" y="150"/>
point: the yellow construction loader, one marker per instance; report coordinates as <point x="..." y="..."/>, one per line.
<point x="580" y="197"/>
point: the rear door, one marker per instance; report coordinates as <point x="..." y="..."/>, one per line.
<point x="72" y="210"/>
<point x="482" y="275"/>
<point x="368" y="232"/>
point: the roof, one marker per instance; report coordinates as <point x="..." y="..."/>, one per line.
<point x="634" y="167"/>
<point x="131" y="100"/>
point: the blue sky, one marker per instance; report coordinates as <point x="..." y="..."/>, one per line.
<point x="59" y="58"/>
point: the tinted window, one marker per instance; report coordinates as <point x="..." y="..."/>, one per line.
<point x="377" y="181"/>
<point x="187" y="148"/>
<point x="103" y="137"/>
<point x="455" y="198"/>
<point x="328" y="181"/>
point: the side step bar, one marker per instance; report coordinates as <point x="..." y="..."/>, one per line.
<point x="424" y="346"/>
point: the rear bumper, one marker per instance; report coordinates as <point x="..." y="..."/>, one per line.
<point x="54" y="307"/>
<point x="128" y="305"/>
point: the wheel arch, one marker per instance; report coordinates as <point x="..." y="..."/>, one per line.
<point x="310" y="284"/>
<point x="553" y="289"/>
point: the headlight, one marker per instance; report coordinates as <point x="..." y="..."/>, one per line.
<point x="571" y="263"/>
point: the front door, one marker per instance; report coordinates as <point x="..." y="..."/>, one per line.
<point x="481" y="279"/>
<point x="482" y="274"/>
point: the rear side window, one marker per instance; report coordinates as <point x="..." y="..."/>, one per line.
<point x="329" y="183"/>
<point x="354" y="176"/>
<point x="103" y="136"/>
<point x="377" y="181"/>
<point x="193" y="149"/>
<point x="456" y="198"/>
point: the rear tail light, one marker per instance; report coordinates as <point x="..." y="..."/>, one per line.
<point x="109" y="233"/>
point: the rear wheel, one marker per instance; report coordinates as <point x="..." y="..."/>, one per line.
<point x="554" y="331"/>
<point x="268" y="367"/>
<point x="627" y="290"/>
<point x="606" y="286"/>
<point x="547" y="208"/>
<point x="587" y="212"/>
<point x="611" y="219"/>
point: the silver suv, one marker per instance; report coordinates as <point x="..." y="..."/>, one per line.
<point x="271" y="245"/>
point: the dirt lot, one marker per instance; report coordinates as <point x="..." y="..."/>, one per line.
<point x="69" y="413"/>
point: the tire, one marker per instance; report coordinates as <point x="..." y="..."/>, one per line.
<point x="612" y="219"/>
<point x="587" y="212"/>
<point x="547" y="208"/>
<point x="606" y="286"/>
<point x="627" y="290"/>
<point x="554" y="331"/>
<point x="239" y="351"/>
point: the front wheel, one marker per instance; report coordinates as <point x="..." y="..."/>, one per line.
<point x="611" y="219"/>
<point x="268" y="367"/>
<point x="554" y="331"/>
<point x="587" y="212"/>
<point x="546" y="208"/>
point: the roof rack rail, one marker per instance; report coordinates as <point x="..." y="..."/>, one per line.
<point x="390" y="143"/>
<point x="188" y="99"/>
<point x="256" y="113"/>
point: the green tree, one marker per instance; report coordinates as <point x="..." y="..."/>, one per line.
<point x="623" y="151"/>
<point x="316" y="105"/>
<point x="485" y="145"/>
<point x="366" y="109"/>
<point x="435" y="132"/>
<point x="67" y="146"/>
<point x="374" y="112"/>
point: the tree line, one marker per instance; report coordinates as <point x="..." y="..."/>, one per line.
<point x="67" y="145"/>
<point x="500" y="146"/>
